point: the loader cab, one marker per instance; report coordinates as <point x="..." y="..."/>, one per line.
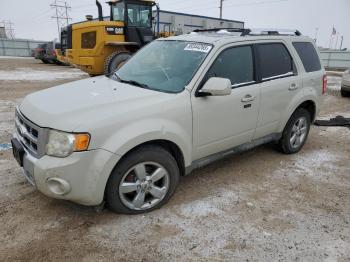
<point x="137" y="18"/>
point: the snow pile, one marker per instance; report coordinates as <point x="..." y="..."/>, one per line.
<point x="27" y="74"/>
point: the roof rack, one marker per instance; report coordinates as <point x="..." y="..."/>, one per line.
<point x="253" y="32"/>
<point x="243" y="31"/>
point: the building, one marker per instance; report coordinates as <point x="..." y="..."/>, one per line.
<point x="180" y="23"/>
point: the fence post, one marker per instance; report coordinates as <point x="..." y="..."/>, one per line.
<point x="29" y="51"/>
<point x="2" y="47"/>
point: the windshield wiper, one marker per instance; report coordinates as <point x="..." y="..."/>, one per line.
<point x="132" y="82"/>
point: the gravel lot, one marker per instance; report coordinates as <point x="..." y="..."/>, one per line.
<point x="258" y="206"/>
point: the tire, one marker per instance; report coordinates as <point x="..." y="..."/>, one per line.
<point x="45" y="61"/>
<point x="115" y="61"/>
<point x="128" y="172"/>
<point x="57" y="62"/>
<point x="344" y="93"/>
<point x="290" y="132"/>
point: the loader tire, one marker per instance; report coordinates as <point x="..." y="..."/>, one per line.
<point x="115" y="61"/>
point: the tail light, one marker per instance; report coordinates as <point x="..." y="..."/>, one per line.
<point x="324" y="86"/>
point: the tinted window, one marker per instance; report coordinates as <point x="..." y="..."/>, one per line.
<point x="235" y="64"/>
<point x="275" y="60"/>
<point x="88" y="40"/>
<point x="308" y="56"/>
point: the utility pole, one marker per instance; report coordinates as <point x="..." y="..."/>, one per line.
<point x="316" y="34"/>
<point x="221" y="5"/>
<point x="341" y="43"/>
<point x="336" y="43"/>
<point x="61" y="14"/>
<point x="9" y="28"/>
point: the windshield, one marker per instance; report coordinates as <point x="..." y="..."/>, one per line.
<point x="166" y="66"/>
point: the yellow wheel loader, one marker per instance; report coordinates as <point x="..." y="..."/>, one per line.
<point x="100" y="46"/>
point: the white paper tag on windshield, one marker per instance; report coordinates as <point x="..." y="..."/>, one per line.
<point x="198" y="47"/>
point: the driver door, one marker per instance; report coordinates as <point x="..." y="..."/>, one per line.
<point x="223" y="122"/>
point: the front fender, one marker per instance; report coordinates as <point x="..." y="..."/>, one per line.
<point x="137" y="133"/>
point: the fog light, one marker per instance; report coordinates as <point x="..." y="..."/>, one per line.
<point x="58" y="186"/>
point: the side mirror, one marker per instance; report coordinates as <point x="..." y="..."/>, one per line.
<point x="216" y="86"/>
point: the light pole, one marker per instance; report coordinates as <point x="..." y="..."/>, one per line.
<point x="221" y="4"/>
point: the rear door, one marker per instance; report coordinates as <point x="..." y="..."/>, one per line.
<point x="313" y="75"/>
<point x="279" y="83"/>
<point x="223" y="122"/>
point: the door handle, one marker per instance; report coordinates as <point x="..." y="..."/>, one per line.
<point x="293" y="87"/>
<point x="248" y="98"/>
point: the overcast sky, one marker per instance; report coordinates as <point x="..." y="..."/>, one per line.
<point x="32" y="18"/>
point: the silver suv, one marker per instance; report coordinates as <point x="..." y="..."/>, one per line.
<point x="180" y="103"/>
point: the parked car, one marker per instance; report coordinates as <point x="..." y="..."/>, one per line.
<point x="39" y="53"/>
<point x="177" y="105"/>
<point x="345" y="85"/>
<point x="47" y="53"/>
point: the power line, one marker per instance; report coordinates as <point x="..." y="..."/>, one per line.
<point x="61" y="14"/>
<point x="9" y="28"/>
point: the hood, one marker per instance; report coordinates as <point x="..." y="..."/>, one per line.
<point x="68" y="106"/>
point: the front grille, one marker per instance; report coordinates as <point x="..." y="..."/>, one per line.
<point x="31" y="136"/>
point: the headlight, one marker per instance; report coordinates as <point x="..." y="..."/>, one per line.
<point x="62" y="144"/>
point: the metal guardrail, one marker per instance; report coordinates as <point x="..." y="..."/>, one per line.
<point x="18" y="47"/>
<point x="336" y="59"/>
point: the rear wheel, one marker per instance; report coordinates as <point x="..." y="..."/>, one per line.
<point x="143" y="181"/>
<point x="115" y="61"/>
<point x="45" y="61"/>
<point x="296" y="132"/>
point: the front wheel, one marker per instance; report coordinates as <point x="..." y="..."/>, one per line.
<point x="143" y="181"/>
<point x="115" y="61"/>
<point x="296" y="132"/>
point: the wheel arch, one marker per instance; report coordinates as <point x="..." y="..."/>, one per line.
<point x="308" y="104"/>
<point x="168" y="145"/>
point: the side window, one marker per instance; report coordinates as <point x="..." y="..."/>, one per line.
<point x="308" y="56"/>
<point x="235" y="64"/>
<point x="88" y="40"/>
<point x="275" y="61"/>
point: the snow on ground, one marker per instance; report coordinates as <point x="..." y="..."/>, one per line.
<point x="16" y="57"/>
<point x="5" y="146"/>
<point x="27" y="74"/>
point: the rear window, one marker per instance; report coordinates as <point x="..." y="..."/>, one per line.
<point x="275" y="61"/>
<point x="308" y="56"/>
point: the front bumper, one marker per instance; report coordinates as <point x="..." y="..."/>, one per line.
<point x="80" y="178"/>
